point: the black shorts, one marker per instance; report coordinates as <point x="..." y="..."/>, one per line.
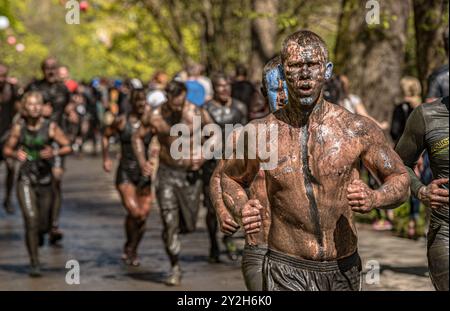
<point x="252" y="266"/>
<point x="286" y="273"/>
<point x="131" y="175"/>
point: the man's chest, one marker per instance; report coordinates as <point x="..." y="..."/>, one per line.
<point x="321" y="153"/>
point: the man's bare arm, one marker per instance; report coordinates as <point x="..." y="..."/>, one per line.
<point x="109" y="131"/>
<point x="236" y="176"/>
<point x="379" y="157"/>
<point x="226" y="221"/>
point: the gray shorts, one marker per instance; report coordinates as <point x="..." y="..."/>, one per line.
<point x="286" y="273"/>
<point x="252" y="266"/>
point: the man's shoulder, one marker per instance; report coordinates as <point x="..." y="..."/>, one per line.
<point x="438" y="106"/>
<point x="354" y="124"/>
<point x="268" y="120"/>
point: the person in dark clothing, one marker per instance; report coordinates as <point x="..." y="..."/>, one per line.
<point x="428" y="129"/>
<point x="31" y="143"/>
<point x="8" y="108"/>
<point x="223" y="109"/>
<point x="56" y="96"/>
<point x="133" y="186"/>
<point x="411" y="91"/>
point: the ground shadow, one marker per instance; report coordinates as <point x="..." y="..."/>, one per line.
<point x="148" y="276"/>
<point x="421" y="271"/>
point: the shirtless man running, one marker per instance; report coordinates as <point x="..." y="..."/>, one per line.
<point x="178" y="184"/>
<point x="315" y="188"/>
<point x="275" y="92"/>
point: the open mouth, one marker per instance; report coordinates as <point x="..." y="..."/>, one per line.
<point x="306" y="88"/>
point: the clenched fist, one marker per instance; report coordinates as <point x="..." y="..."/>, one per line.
<point x="433" y="195"/>
<point x="251" y="216"/>
<point x="360" y="197"/>
<point x="227" y="224"/>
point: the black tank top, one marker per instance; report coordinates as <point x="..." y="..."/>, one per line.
<point x="34" y="168"/>
<point x="128" y="158"/>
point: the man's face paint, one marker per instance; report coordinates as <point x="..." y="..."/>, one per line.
<point x="276" y="88"/>
<point x="305" y="70"/>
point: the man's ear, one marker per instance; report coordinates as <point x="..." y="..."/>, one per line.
<point x="328" y="70"/>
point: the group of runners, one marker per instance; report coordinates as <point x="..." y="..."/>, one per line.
<point x="298" y="216"/>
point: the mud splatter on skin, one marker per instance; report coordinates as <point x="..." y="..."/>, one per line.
<point x="311" y="215"/>
<point x="386" y="160"/>
<point x="308" y="178"/>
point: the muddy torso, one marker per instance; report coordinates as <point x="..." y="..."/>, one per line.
<point x="162" y="125"/>
<point x="311" y="217"/>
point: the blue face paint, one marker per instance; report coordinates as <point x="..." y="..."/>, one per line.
<point x="273" y="78"/>
<point x="328" y="70"/>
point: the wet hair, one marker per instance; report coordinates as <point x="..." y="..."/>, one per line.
<point x="271" y="64"/>
<point x="304" y="38"/>
<point x="30" y="94"/>
<point x="240" y="70"/>
<point x="175" y="88"/>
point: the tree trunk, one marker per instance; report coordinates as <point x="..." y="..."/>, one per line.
<point x="264" y="35"/>
<point x="372" y="56"/>
<point x="430" y="20"/>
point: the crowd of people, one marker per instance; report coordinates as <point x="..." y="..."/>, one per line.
<point x="297" y="218"/>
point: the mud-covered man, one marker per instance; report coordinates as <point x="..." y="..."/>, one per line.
<point x="224" y="110"/>
<point x="275" y="91"/>
<point x="178" y="184"/>
<point x="315" y="187"/>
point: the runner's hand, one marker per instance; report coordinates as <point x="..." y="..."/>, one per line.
<point x="227" y="224"/>
<point x="433" y="195"/>
<point x="47" y="153"/>
<point x="21" y="155"/>
<point x="251" y="216"/>
<point x="147" y="169"/>
<point x="360" y="197"/>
